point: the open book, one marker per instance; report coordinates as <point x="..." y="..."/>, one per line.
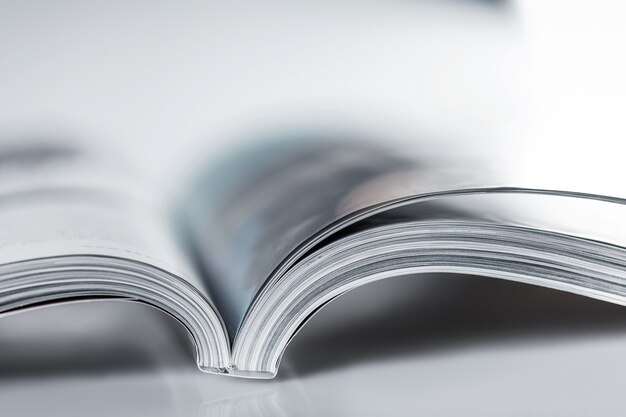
<point x="260" y="240"/>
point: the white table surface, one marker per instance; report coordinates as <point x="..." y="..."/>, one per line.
<point x="538" y="78"/>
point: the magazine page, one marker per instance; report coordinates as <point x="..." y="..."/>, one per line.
<point x="59" y="199"/>
<point x="75" y="224"/>
<point x="247" y="212"/>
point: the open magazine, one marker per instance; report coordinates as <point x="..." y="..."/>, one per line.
<point x="260" y="240"/>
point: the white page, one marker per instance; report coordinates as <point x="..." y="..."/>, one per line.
<point x="60" y="200"/>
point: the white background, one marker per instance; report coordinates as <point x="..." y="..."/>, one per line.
<point x="541" y="82"/>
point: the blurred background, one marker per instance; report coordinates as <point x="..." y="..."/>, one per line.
<point x="540" y="84"/>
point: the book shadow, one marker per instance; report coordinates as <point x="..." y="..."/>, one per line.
<point x="434" y="314"/>
<point x="91" y="338"/>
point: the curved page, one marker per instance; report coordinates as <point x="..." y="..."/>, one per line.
<point x="249" y="214"/>
<point x="72" y="226"/>
<point x="564" y="241"/>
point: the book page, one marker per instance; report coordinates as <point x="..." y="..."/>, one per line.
<point x="58" y="199"/>
<point x="248" y="212"/>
